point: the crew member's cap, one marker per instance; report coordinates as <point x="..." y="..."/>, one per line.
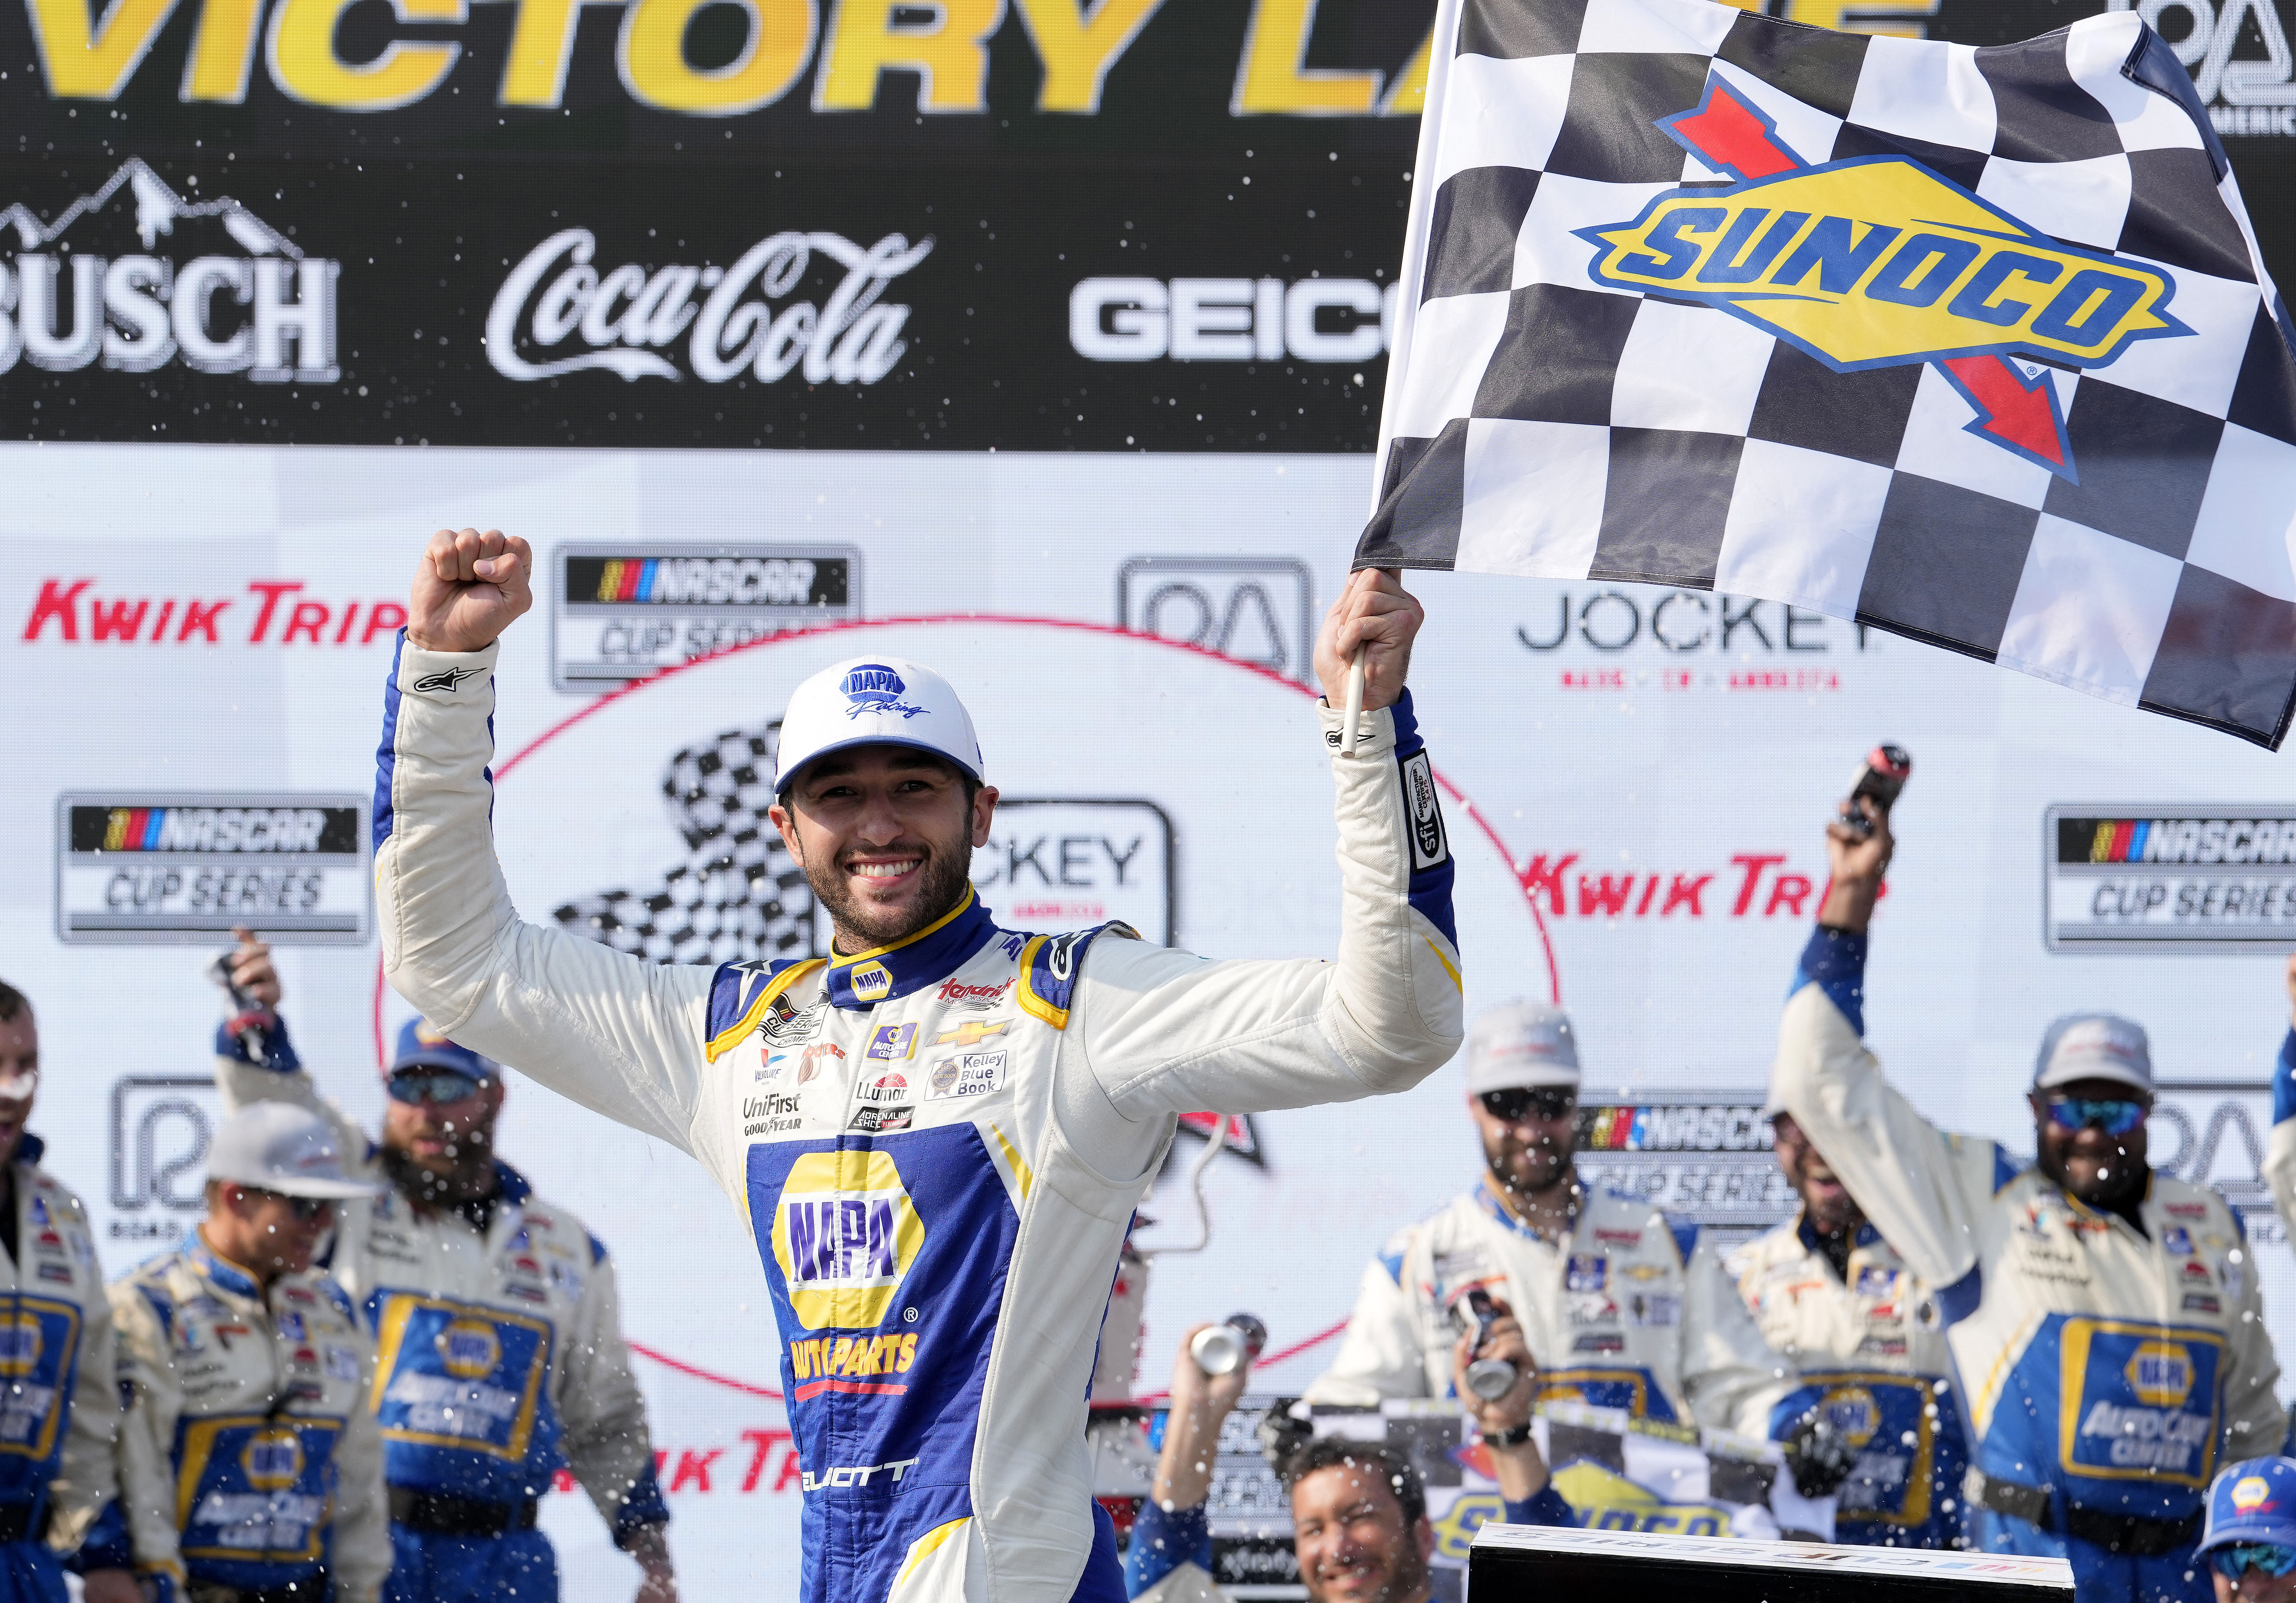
<point x="1521" y="1044"/>
<point x="422" y="1047"/>
<point x="284" y="1148"/>
<point x="2252" y="1503"/>
<point x="875" y="701"/>
<point x="2094" y="1046"/>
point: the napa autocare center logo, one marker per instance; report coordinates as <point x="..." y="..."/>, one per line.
<point x="151" y="868"/>
<point x="135" y="277"/>
<point x="626" y="611"/>
<point x="2189" y="877"/>
<point x="563" y="311"/>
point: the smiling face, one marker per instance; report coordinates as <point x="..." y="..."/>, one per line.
<point x="885" y="835"/>
<point x="1831" y="1209"/>
<point x="2104" y="1170"/>
<point x="1530" y="1154"/>
<point x="1354" y="1544"/>
<point x="20" y="1062"/>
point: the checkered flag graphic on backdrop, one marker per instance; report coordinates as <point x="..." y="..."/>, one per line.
<point x="1972" y="345"/>
<point x="738" y="894"/>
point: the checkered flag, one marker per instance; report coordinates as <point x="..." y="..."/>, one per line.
<point x="738" y="894"/>
<point x="1975" y="345"/>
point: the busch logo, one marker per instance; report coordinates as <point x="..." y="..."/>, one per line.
<point x="102" y="296"/>
<point x="627" y="314"/>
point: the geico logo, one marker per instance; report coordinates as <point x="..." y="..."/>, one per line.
<point x="272" y="1460"/>
<point x="857" y="1476"/>
<point x="1874" y="262"/>
<point x="142" y="312"/>
<point x="629" y="312"/>
<point x="819" y="1357"/>
<point x="1230" y="319"/>
<point x="844" y="1235"/>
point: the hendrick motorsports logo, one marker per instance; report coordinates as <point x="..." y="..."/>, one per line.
<point x="626" y="612"/>
<point x="2187" y="879"/>
<point x="157" y="868"/>
<point x="745" y="322"/>
<point x="1878" y="262"/>
<point x="137" y="278"/>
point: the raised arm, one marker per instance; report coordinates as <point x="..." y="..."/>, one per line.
<point x="1167" y="1033"/>
<point x="1170" y="1559"/>
<point x="280" y="1077"/>
<point x="1921" y="1189"/>
<point x="615" y="1033"/>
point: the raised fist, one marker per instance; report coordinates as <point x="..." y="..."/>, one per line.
<point x="468" y="587"/>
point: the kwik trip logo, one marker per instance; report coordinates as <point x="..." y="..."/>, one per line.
<point x="137" y="278"/>
<point x="1878" y="262"/>
<point x="728" y="323"/>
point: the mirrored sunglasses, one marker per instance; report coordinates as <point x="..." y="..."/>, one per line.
<point x="2113" y="1115"/>
<point x="1518" y="1103"/>
<point x="431" y="1085"/>
<point x="2270" y="1558"/>
<point x="306" y="1209"/>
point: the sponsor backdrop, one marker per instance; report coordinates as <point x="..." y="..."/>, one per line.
<point x="1041" y="343"/>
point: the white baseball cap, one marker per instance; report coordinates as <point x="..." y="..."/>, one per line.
<point x="2094" y="1046"/>
<point x="1521" y="1044"/>
<point x="875" y="701"/>
<point x="280" y="1147"/>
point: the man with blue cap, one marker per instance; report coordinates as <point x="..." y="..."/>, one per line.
<point x="937" y="1132"/>
<point x="2250" y="1544"/>
<point x="497" y="1315"/>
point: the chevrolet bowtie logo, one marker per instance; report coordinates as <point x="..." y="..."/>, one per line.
<point x="971" y="1032"/>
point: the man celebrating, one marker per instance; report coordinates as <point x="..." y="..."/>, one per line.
<point x="59" y="1413"/>
<point x="2106" y="1318"/>
<point x="938" y="1176"/>
<point x="248" y="1459"/>
<point x="1622" y="1306"/>
<point x="457" y="1262"/>
<point x="1833" y="1298"/>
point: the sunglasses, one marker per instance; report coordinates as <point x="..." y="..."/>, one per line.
<point x="431" y="1085"/>
<point x="1513" y="1106"/>
<point x="2113" y="1115"/>
<point x="2268" y="1557"/>
<point x="307" y="1210"/>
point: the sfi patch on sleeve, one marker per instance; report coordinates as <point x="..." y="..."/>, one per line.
<point x="1430" y="844"/>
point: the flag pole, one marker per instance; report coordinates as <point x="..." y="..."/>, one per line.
<point x="1355" y="703"/>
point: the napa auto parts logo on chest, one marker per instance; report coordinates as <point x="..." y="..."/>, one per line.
<point x="134" y="277"/>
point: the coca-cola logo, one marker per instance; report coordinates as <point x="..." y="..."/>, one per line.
<point x="747" y="320"/>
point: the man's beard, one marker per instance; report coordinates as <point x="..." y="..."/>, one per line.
<point x="1528" y="1170"/>
<point x="469" y="1173"/>
<point x="860" y="928"/>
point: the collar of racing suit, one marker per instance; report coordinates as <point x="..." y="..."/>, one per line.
<point x="935" y="951"/>
<point x="223" y="1272"/>
<point x="1806" y="1232"/>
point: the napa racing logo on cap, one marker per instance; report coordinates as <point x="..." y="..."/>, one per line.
<point x="468" y="1348"/>
<point x="1876" y="261"/>
<point x="871" y="687"/>
<point x="845" y="1235"/>
<point x="2251" y="1492"/>
<point x="272" y="1460"/>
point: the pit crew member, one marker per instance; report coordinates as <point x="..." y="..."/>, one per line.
<point x="472" y="1287"/>
<point x="249" y="1462"/>
<point x="1170" y="1559"/>
<point x="938" y="1131"/>
<point x="60" y="1413"/>
<point x="2105" y="1318"/>
<point x="1623" y="1306"/>
<point x="1863" y="1332"/>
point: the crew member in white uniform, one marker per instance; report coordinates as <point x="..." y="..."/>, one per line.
<point x="1622" y="1305"/>
<point x="938" y="1133"/>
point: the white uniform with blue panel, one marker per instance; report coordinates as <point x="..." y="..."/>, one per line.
<point x="939" y="1145"/>
<point x="2108" y="1370"/>
<point x="501" y="1361"/>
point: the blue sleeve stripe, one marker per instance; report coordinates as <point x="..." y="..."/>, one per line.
<point x="386" y="752"/>
<point x="278" y="1050"/>
<point x="642" y="1505"/>
<point x="1834" y="961"/>
<point x="1546" y="1509"/>
<point x="2284" y="1081"/>
<point x="2004" y="1168"/>
<point x="1959" y="1300"/>
<point x="1163" y="1543"/>
<point x="1431" y="888"/>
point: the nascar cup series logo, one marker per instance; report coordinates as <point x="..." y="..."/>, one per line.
<point x="1878" y="262"/>
<point x="845" y="1234"/>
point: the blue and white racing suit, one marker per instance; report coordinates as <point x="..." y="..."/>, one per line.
<point x="501" y="1359"/>
<point x="1869" y="1346"/>
<point x="938" y="1144"/>
<point x="2109" y="1370"/>
<point x="60" y="1405"/>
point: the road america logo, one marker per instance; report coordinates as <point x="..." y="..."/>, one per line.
<point x="137" y="278"/>
<point x="845" y="1235"/>
<point x="1878" y="262"/>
